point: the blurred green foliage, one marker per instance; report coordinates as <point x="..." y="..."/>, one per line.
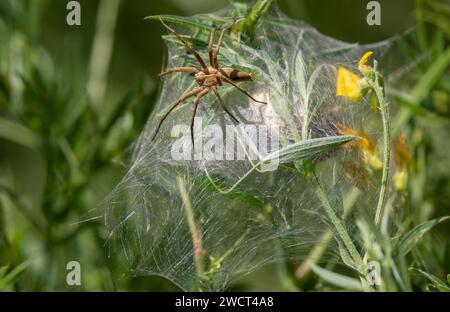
<point x="61" y="153"/>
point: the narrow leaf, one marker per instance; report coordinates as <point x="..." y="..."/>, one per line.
<point x="3" y="271"/>
<point x="6" y="279"/>
<point x="345" y="256"/>
<point x="434" y="279"/>
<point x="336" y="279"/>
<point x="308" y="148"/>
<point x="410" y="239"/>
<point x="430" y="78"/>
<point x="14" y="132"/>
<point x="251" y="21"/>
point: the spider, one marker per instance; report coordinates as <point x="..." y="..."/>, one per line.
<point x="207" y="77"/>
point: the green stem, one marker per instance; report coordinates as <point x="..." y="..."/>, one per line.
<point x="102" y="49"/>
<point x="193" y="228"/>
<point x="41" y="226"/>
<point x="316" y="254"/>
<point x="420" y="18"/>
<point x="344" y="236"/>
<point x="342" y="232"/>
<point x="384" y="110"/>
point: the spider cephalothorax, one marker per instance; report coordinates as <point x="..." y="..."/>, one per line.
<point x="207" y="77"/>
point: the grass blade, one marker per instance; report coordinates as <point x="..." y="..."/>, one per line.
<point x="336" y="279"/>
<point x="410" y="239"/>
<point x="434" y="279"/>
<point x="19" y="134"/>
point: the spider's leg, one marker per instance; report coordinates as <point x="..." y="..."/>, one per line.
<point x="191" y="70"/>
<point x="197" y="101"/>
<point x="210" y="48"/>
<point x="240" y="89"/>
<point x="187" y="45"/>
<point x="224" y="107"/>
<point x="184" y="97"/>
<point x="219" y="43"/>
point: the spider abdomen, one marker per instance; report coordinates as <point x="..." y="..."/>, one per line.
<point x="235" y="75"/>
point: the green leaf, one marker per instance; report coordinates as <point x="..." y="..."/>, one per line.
<point x="3" y="271"/>
<point x="434" y="279"/>
<point x="345" y="256"/>
<point x="7" y="279"/>
<point x="308" y="148"/>
<point x="293" y="152"/>
<point x="410" y="239"/>
<point x="336" y="279"/>
<point x="300" y="73"/>
<point x="257" y="11"/>
<point x="14" y="132"/>
<point x="406" y="101"/>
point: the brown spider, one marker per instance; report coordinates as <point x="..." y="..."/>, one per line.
<point x="207" y="77"/>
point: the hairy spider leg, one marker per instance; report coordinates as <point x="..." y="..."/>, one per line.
<point x="184" y="97"/>
<point x="224" y="77"/>
<point x="219" y="43"/>
<point x="210" y="47"/>
<point x="197" y="101"/>
<point x="187" y="45"/>
<point x="191" y="70"/>
<point x="224" y="107"/>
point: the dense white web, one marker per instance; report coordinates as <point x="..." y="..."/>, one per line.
<point x="201" y="223"/>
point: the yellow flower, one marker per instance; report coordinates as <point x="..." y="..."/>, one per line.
<point x="365" y="145"/>
<point x="365" y="69"/>
<point x="402" y="158"/>
<point x="350" y="85"/>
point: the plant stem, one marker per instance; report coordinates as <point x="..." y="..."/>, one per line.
<point x="193" y="228"/>
<point x="342" y="232"/>
<point x="384" y="111"/>
<point x="315" y="255"/>
<point x="102" y="49"/>
<point x="344" y="236"/>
